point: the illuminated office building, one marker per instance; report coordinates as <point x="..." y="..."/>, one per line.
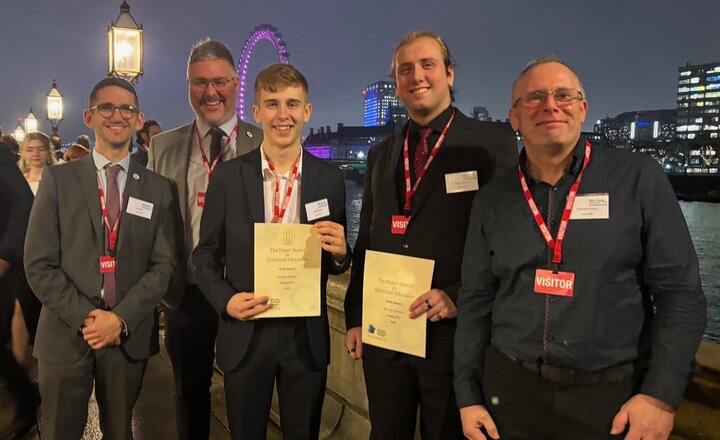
<point x="698" y="101"/>
<point x="381" y="105"/>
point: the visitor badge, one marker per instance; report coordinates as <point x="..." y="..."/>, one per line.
<point x="107" y="264"/>
<point x="317" y="209"/>
<point x="139" y="208"/>
<point x="550" y="283"/>
<point x="591" y="207"/>
<point x="201" y="200"/>
<point x="461" y="182"/>
<point x="398" y="224"/>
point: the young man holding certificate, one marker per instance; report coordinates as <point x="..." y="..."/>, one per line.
<point x="251" y="235"/>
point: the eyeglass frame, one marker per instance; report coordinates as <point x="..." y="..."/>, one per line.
<point x="560" y="103"/>
<point x="123" y="108"/>
<point x="199" y="85"/>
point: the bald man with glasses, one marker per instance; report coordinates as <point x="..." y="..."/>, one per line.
<point x="581" y="307"/>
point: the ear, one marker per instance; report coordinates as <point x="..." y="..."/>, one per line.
<point x="307" y="112"/>
<point x="140" y="121"/>
<point x="450" y="75"/>
<point x="88" y="117"/>
<point x="256" y="113"/>
<point x="583" y="110"/>
<point x="514" y="119"/>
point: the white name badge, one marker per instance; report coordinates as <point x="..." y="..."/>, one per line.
<point x="317" y="209"/>
<point x="139" y="207"/>
<point x="591" y="207"/>
<point x="461" y="182"/>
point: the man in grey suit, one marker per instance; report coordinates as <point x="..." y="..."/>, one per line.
<point x="100" y="256"/>
<point x="188" y="155"/>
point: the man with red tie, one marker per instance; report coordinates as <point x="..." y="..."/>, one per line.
<point x="416" y="202"/>
<point x="100" y="256"/>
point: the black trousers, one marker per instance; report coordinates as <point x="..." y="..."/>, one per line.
<point x="190" y="333"/>
<point x="396" y="387"/>
<point x="279" y="353"/>
<point x="526" y="406"/>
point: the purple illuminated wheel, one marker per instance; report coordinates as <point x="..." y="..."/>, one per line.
<point x="262" y="32"/>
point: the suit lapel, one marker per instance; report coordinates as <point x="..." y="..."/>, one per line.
<point x="243" y="143"/>
<point x="134" y="186"/>
<point x="310" y="186"/>
<point x="434" y="179"/>
<point x="394" y="156"/>
<point x="253" y="184"/>
<point x="88" y="180"/>
<point x="181" y="173"/>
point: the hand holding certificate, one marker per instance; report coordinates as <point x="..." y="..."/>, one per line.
<point x="287" y="269"/>
<point x="391" y="283"/>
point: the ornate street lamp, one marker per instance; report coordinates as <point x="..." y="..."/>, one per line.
<point x="19" y="133"/>
<point x="125" y="46"/>
<point x="31" y="123"/>
<point x="54" y="107"/>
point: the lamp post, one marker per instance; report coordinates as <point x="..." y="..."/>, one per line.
<point x="19" y="133"/>
<point x="125" y="46"/>
<point x="30" y="123"/>
<point x="54" y="108"/>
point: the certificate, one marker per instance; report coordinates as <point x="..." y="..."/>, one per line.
<point x="390" y="283"/>
<point x="287" y="269"/>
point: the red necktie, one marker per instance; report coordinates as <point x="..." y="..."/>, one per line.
<point x="421" y="151"/>
<point x="112" y="203"/>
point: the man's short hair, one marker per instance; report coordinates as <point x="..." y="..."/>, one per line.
<point x="113" y="81"/>
<point x="83" y="140"/>
<point x="448" y="59"/>
<point x="145" y="129"/>
<point x="545" y="60"/>
<point x="208" y="49"/>
<point x="276" y="77"/>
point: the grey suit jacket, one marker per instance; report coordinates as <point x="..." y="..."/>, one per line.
<point x="62" y="251"/>
<point x="169" y="155"/>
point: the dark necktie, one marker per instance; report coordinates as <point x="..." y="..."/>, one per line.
<point x="421" y="151"/>
<point x="216" y="135"/>
<point x="112" y="204"/>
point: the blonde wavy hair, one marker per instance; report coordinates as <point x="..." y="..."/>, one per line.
<point x="36" y="136"/>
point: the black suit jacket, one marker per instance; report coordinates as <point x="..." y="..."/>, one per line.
<point x="15" y="202"/>
<point x="438" y="220"/>
<point x="224" y="256"/>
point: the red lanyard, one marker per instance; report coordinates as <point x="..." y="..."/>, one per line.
<point x="278" y="212"/>
<point x="556" y="244"/>
<point x="410" y="190"/>
<point x="208" y="167"/>
<point x="111" y="230"/>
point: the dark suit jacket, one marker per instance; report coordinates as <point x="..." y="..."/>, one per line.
<point x="224" y="256"/>
<point x="15" y="202"/>
<point x="169" y="155"/>
<point x="438" y="220"/>
<point x="65" y="243"/>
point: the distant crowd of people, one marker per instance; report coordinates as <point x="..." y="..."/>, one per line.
<point x="565" y="300"/>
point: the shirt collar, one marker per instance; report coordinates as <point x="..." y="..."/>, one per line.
<point x="227" y="127"/>
<point x="102" y="161"/>
<point x="575" y="163"/>
<point x="437" y="124"/>
<point x="266" y="168"/>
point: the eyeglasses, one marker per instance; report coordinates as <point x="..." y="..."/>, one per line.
<point x="106" y="110"/>
<point x="563" y="97"/>
<point x="200" y="84"/>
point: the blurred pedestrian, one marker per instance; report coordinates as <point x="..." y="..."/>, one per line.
<point x="36" y="153"/>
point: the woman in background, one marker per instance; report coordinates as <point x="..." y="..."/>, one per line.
<point x="36" y="153"/>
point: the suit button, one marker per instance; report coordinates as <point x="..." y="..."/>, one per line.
<point x="405" y="245"/>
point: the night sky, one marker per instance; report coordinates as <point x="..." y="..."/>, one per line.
<point x="626" y="52"/>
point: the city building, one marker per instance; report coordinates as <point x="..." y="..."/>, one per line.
<point x="480" y="113"/>
<point x="347" y="143"/>
<point x="381" y="105"/>
<point x="698" y="101"/>
<point x="628" y="130"/>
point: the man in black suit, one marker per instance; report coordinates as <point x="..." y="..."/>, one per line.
<point x="449" y="157"/>
<point x="15" y="203"/>
<point x="278" y="183"/>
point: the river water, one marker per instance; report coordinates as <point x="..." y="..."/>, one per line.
<point x="703" y="221"/>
